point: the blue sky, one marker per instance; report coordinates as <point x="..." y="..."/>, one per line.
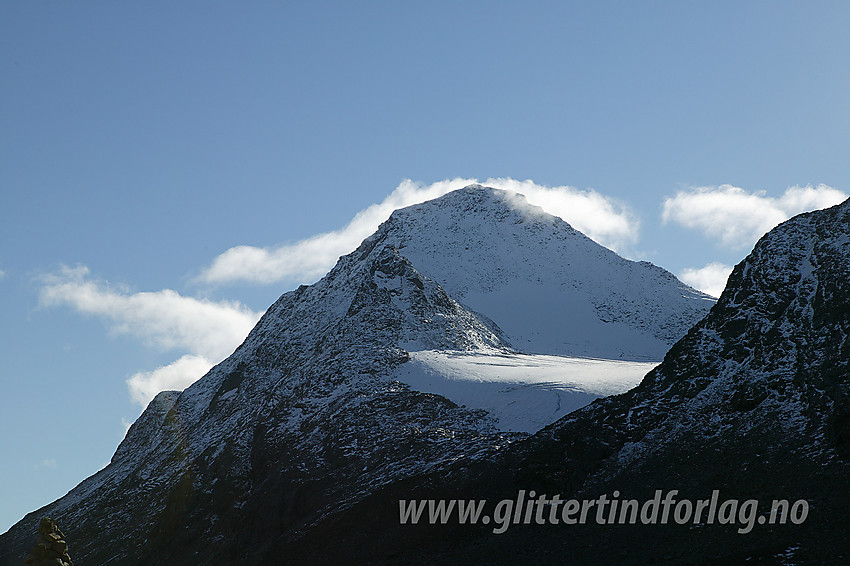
<point x="141" y="141"/>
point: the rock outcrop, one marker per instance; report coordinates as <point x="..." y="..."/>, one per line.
<point x="50" y="549"/>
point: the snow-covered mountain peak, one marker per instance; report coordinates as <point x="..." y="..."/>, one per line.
<point x="478" y="200"/>
<point x="551" y="289"/>
<point x="471" y="207"/>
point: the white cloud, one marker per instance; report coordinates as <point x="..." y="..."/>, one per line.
<point x="309" y="259"/>
<point x="710" y="279"/>
<point x="208" y="331"/>
<point x="606" y="220"/>
<point x="46" y="463"/>
<point x="177" y="375"/>
<point x="737" y="218"/>
<point x="164" y="319"/>
<point x="601" y="218"/>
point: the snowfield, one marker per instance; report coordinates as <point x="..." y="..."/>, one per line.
<point x="522" y="392"/>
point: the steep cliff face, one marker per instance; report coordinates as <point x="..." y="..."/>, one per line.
<point x="307" y="417"/>
<point x="753" y="402"/>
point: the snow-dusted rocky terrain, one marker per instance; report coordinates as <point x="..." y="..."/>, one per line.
<point x="332" y="395"/>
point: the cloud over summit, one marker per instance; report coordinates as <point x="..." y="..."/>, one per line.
<point x="602" y="218"/>
<point x="710" y="279"/>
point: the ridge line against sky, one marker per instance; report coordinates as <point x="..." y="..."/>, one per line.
<point x="205" y="332"/>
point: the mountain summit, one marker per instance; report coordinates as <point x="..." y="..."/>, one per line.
<point x="311" y="414"/>
<point x="549" y="288"/>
